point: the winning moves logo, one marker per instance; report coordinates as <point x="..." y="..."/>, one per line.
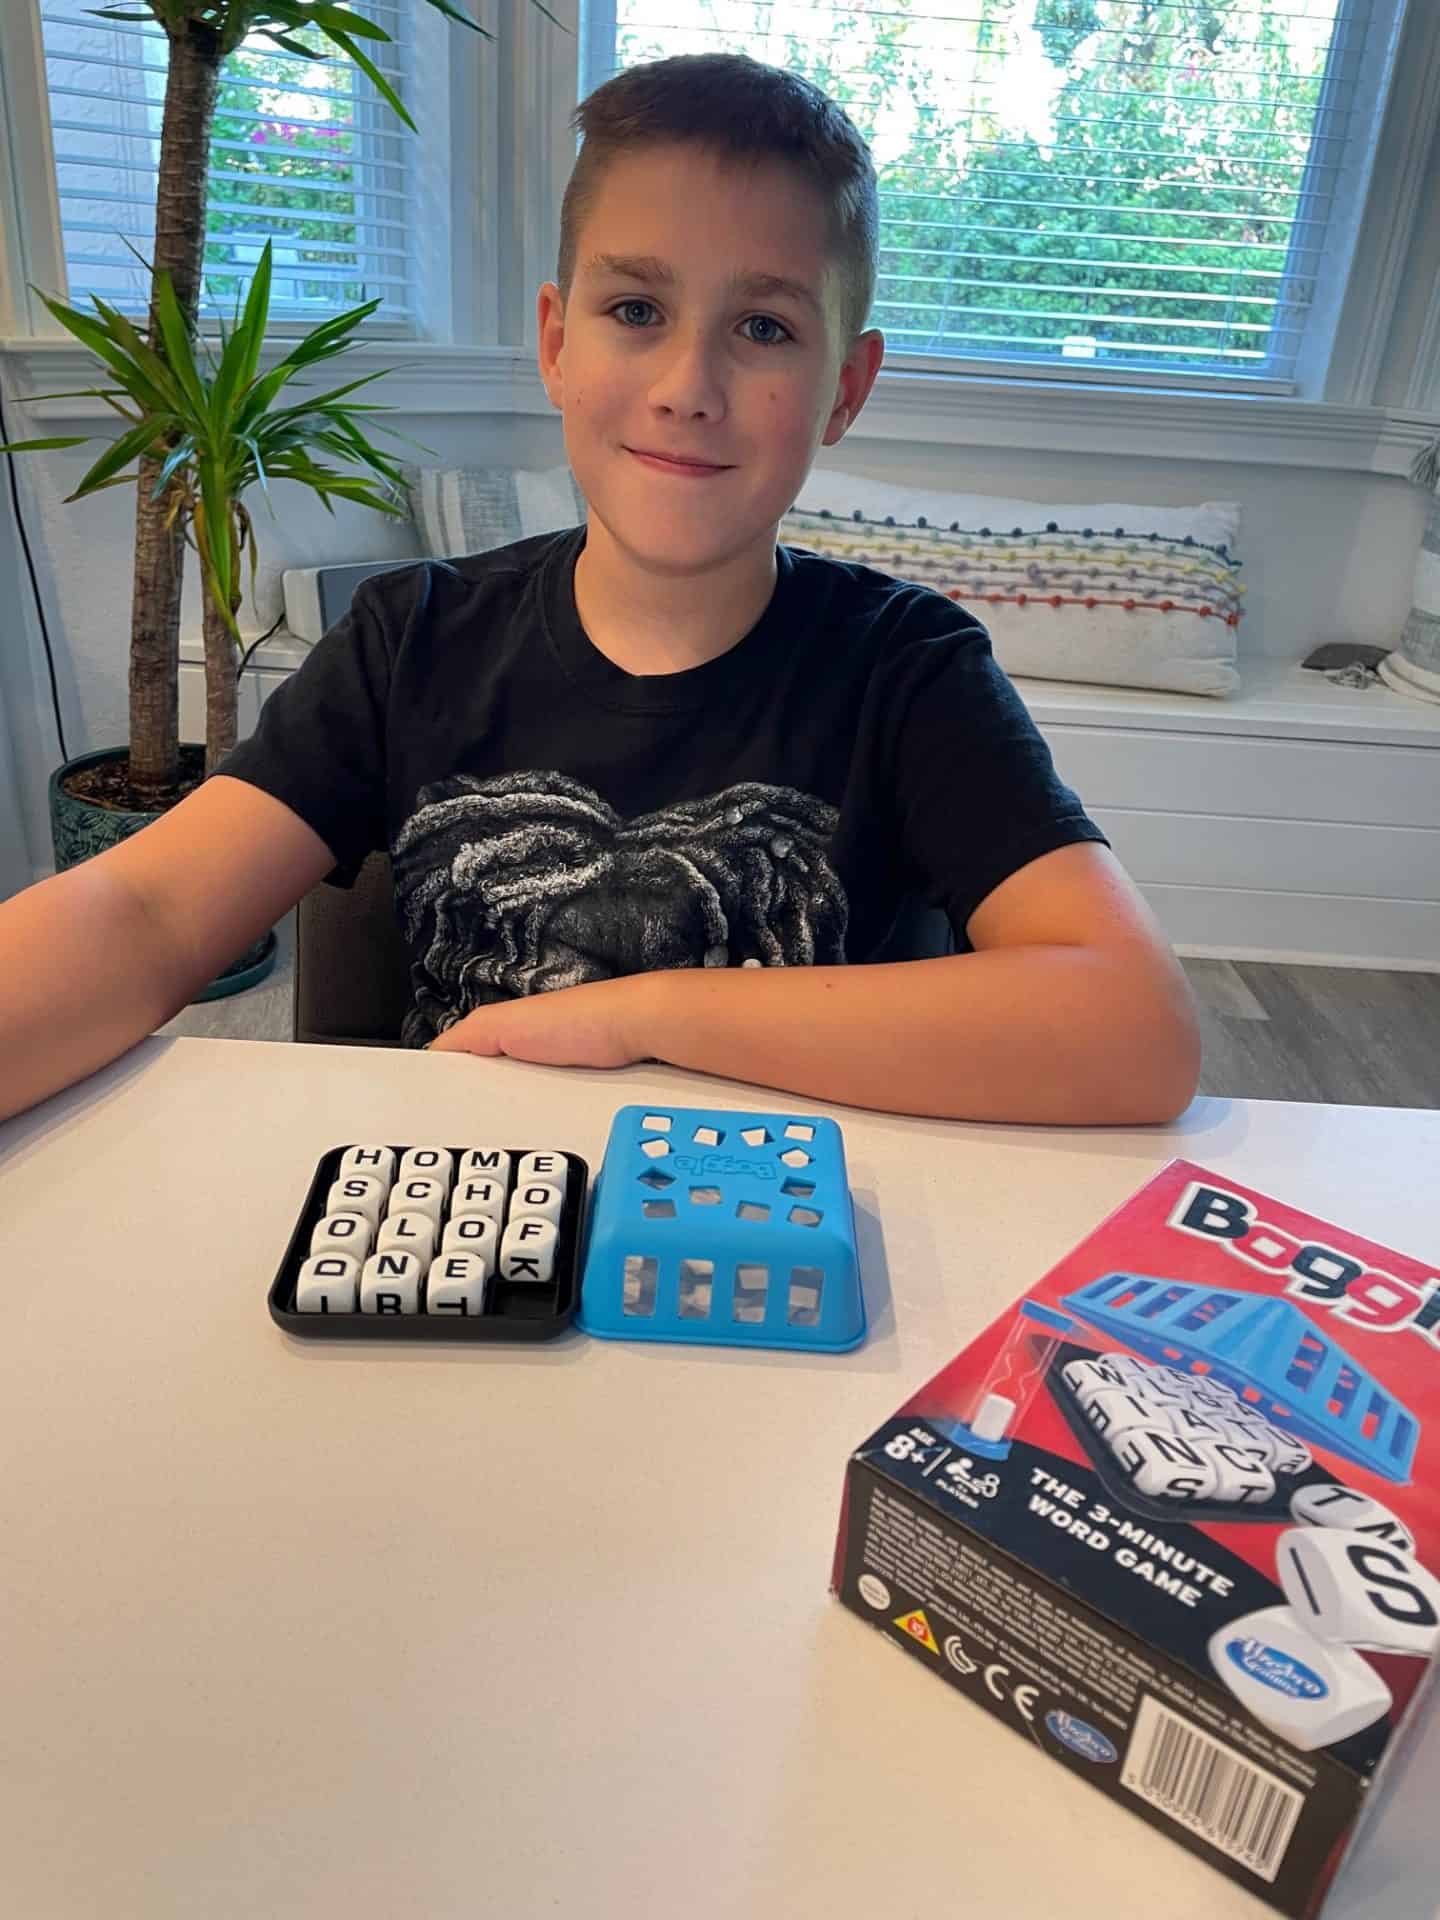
<point x="1364" y="1296"/>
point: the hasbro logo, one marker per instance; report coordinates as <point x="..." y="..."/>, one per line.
<point x="1273" y="1668"/>
<point x="1080" y="1737"/>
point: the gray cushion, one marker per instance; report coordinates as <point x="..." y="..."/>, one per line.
<point x="352" y="973"/>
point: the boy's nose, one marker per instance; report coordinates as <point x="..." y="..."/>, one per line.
<point x="689" y="383"/>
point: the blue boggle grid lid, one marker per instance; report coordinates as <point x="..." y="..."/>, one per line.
<point x="1269" y="1351"/>
<point x="723" y="1227"/>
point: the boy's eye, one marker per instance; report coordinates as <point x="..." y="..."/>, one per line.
<point x="627" y="307"/>
<point x="769" y="320"/>
<point x="764" y="319"/>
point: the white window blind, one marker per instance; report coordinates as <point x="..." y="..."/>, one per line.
<point x="1110" y="184"/>
<point x="305" y="153"/>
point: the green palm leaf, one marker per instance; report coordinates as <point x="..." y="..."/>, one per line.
<point x="330" y="16"/>
<point x="96" y="336"/>
<point x="39" y="446"/>
<point x="178" y="351"/>
<point x="368" y="67"/>
<point x="129" y="337"/>
<point x="119" y="454"/>
<point x="242" y="350"/>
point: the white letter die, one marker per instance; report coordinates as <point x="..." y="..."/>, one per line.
<point x="1324" y="1504"/>
<point x="1161" y="1465"/>
<point x="1353" y="1588"/>
<point x="1164" y="1384"/>
<point x="1242" y="1475"/>
<point x="1312" y="1693"/>
<point x="1114" y="1411"/>
<point x="328" y="1283"/>
<point x="1100" y="1374"/>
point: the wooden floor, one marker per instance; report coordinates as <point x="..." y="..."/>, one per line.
<point x="1319" y="1033"/>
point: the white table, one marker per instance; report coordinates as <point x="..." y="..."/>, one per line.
<point x="294" y="1629"/>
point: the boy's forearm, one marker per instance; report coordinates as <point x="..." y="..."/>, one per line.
<point x="1049" y="1035"/>
<point x="77" y="983"/>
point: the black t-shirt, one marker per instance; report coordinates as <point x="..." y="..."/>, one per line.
<point x="553" y="819"/>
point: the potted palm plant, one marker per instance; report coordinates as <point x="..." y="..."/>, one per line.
<point x="202" y="429"/>
<point x="222" y="429"/>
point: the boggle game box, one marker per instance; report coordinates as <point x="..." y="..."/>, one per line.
<point x="1173" y="1515"/>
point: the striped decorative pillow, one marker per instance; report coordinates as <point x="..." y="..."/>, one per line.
<point x="1111" y="595"/>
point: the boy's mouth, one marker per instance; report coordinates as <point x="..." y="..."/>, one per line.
<point x="666" y="463"/>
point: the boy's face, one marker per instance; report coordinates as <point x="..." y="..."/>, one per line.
<point x="751" y="381"/>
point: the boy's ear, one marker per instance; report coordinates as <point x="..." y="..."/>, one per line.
<point x="550" y="337"/>
<point x="857" y="377"/>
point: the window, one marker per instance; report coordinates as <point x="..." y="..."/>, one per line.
<point x="305" y="153"/>
<point x="1152" y="188"/>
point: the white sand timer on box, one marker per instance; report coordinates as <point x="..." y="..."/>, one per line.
<point x="1014" y="1377"/>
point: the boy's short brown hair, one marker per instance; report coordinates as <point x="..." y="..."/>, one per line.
<point x="742" y="111"/>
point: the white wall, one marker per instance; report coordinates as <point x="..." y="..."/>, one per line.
<point x="28" y="747"/>
<point x="1328" y="555"/>
<point x="16" y="862"/>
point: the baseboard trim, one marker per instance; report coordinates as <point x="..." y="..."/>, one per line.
<point x="1298" y="929"/>
<point x="1273" y="957"/>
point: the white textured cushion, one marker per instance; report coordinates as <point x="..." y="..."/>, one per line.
<point x="1113" y="595"/>
<point x="461" y="510"/>
<point x="1417" y="658"/>
<point x="1110" y="594"/>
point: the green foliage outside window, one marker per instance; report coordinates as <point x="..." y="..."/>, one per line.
<point x="1176" y="156"/>
<point x="265" y="165"/>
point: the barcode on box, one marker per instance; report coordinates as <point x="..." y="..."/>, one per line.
<point x="1210" y="1789"/>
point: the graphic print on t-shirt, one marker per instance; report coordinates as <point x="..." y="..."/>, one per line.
<point x="530" y="881"/>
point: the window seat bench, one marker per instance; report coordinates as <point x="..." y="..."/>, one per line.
<point x="1294" y="820"/>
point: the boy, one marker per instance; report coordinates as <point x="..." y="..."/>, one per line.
<point x="651" y="783"/>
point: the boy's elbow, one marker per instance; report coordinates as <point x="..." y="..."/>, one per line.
<point x="1168" y="1054"/>
<point x="1175" y="1090"/>
<point x="1153" y="1046"/>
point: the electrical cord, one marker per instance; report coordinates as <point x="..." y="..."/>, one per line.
<point x="34" y="587"/>
<point x="245" y="657"/>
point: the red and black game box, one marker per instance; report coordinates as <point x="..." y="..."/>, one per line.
<point x="1174" y="1516"/>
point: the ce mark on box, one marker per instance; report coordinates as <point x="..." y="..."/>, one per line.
<point x="998" y="1680"/>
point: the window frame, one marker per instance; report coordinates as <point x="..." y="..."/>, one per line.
<point x="492" y="245"/>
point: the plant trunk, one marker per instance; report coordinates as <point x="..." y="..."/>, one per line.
<point x="191" y="90"/>
<point x="220" y="687"/>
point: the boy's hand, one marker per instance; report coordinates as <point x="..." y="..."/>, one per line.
<point x="588" y="1026"/>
